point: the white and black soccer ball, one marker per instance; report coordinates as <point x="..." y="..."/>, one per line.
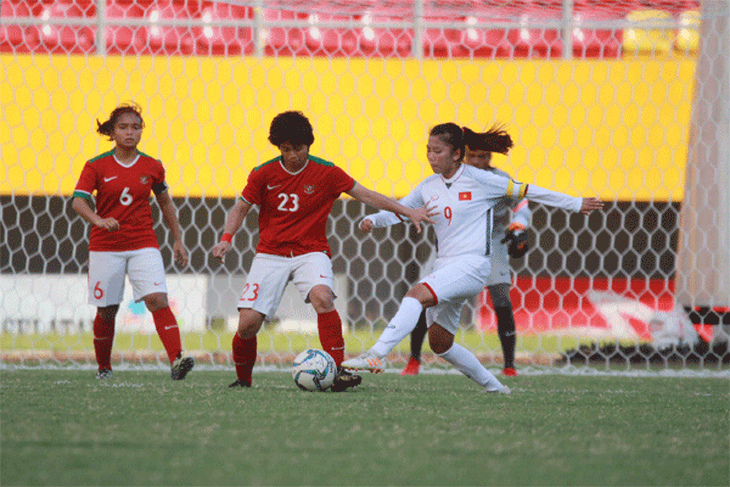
<point x="314" y="370"/>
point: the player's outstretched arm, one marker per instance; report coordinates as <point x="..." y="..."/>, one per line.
<point x="81" y="206"/>
<point x="416" y="215"/>
<point x="167" y="207"/>
<point x="590" y="204"/>
<point x="233" y="223"/>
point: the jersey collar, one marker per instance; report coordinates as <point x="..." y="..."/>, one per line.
<point x="281" y="163"/>
<point x="456" y="175"/>
<point x="126" y="165"/>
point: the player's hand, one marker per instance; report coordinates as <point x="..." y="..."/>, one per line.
<point x="109" y="224"/>
<point x="181" y="255"/>
<point x="517" y="238"/>
<point x="220" y="250"/>
<point x="422" y="214"/>
<point x="366" y="225"/>
<point x="590" y="204"/>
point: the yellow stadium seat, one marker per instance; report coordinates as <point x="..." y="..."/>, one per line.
<point x="641" y="40"/>
<point x="688" y="36"/>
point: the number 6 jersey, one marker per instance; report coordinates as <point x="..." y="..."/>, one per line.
<point x="122" y="193"/>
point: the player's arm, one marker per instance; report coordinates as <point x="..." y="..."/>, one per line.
<point x="82" y="207"/>
<point x="379" y="220"/>
<point x="233" y="223"/>
<point x="167" y="208"/>
<point x="373" y="198"/>
<point x="552" y="198"/>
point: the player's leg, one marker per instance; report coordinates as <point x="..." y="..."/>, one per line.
<point x="245" y="345"/>
<point x="106" y="291"/>
<point x="403" y="323"/>
<point x="265" y="285"/>
<point x="442" y="343"/>
<point x="417" y="336"/>
<point x="146" y="273"/>
<point x="505" y="325"/>
<point x="313" y="278"/>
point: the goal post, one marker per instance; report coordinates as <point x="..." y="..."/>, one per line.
<point x="601" y="100"/>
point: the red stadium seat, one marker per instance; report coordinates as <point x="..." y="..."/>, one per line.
<point x="167" y="40"/>
<point x="224" y="40"/>
<point x="285" y="40"/>
<point x="19" y="38"/>
<point x="537" y="42"/>
<point x="67" y="38"/>
<point x="123" y="39"/>
<point x="385" y="41"/>
<point x="602" y="43"/>
<point x="331" y="41"/>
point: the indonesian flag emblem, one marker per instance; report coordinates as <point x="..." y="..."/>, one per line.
<point x="465" y="196"/>
<point x="143" y="179"/>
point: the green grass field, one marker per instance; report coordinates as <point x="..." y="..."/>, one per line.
<point x="64" y="427"/>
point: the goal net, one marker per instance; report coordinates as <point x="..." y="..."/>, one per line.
<point x="626" y="100"/>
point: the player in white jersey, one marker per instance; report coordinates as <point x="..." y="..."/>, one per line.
<point x="511" y="218"/>
<point x="463" y="198"/>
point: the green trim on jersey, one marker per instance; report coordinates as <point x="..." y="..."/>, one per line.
<point x="81" y="194"/>
<point x="147" y="155"/>
<point x="105" y="154"/>
<point x="321" y="161"/>
<point x="275" y="159"/>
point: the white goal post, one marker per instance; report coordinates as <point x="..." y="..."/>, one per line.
<point x="626" y="100"/>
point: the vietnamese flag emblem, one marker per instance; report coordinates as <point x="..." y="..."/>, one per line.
<point x="465" y="196"/>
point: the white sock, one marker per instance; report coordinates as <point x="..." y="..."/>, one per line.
<point x="467" y="363"/>
<point x="404" y="322"/>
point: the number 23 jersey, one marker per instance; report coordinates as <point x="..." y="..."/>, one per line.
<point x="122" y="193"/>
<point x="294" y="207"/>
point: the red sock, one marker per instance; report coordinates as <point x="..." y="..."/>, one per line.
<point x="244" y="357"/>
<point x="103" y="339"/>
<point x="330" y="335"/>
<point x="166" y="325"/>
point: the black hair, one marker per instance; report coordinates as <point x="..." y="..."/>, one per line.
<point x="107" y="128"/>
<point x="452" y="134"/>
<point x="292" y="127"/>
<point x="496" y="139"/>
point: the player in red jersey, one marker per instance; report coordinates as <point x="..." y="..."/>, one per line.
<point x="295" y="193"/>
<point x="123" y="241"/>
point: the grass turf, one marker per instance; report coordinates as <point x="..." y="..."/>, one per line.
<point x="64" y="427"/>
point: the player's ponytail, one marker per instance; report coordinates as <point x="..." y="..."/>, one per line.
<point x="496" y="139"/>
<point x="107" y="128"/>
<point x="452" y="134"/>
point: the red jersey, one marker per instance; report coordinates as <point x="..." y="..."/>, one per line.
<point x="122" y="193"/>
<point x="294" y="207"/>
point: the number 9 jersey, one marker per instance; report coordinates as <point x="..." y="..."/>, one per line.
<point x="123" y="193"/>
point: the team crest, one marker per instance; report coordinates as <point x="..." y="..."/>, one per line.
<point x="309" y="188"/>
<point x="144" y="179"/>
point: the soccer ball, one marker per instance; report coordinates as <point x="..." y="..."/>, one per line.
<point x="314" y="370"/>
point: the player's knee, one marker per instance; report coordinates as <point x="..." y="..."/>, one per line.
<point x="249" y="323"/>
<point x="156" y="301"/>
<point x="500" y="296"/>
<point x="322" y="299"/>
<point x="439" y="339"/>
<point x="108" y="313"/>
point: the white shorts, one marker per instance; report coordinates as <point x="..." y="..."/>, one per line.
<point x="107" y="270"/>
<point x="501" y="269"/>
<point x="270" y="274"/>
<point x="453" y="281"/>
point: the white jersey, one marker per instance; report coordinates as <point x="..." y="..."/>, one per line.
<point x="465" y="206"/>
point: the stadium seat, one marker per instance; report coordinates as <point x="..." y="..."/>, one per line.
<point x="122" y="39"/>
<point x="68" y="39"/>
<point x="284" y="40"/>
<point x="224" y="40"/>
<point x="385" y="41"/>
<point x="688" y="35"/>
<point x="167" y="40"/>
<point x="642" y="41"/>
<point x="602" y="43"/>
<point x="330" y="41"/>
<point x="537" y="42"/>
<point x="19" y="38"/>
